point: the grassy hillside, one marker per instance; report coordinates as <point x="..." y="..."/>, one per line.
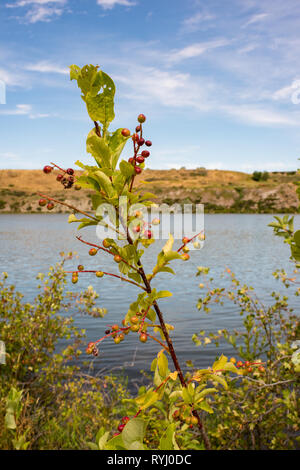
<point x="220" y="191"/>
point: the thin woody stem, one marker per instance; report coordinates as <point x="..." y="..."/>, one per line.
<point x="107" y="251"/>
<point x="79" y="211"/>
<point x="170" y="346"/>
<point x="108" y="274"/>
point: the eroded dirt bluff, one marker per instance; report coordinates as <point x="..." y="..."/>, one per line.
<point x="220" y="191"/>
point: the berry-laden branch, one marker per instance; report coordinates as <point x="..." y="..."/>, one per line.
<point x="109" y="180"/>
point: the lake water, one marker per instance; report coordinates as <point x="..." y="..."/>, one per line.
<point x="30" y="243"/>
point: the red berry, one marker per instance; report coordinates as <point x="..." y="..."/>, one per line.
<point x="117" y="258"/>
<point x="80" y="267"/>
<point x="140" y="159"/>
<point x="185" y="240"/>
<point x="141" y="142"/>
<point x="134" y="319"/>
<point x="141" y="118"/>
<point x="121" y="427"/>
<point x="143" y="338"/>
<point x="148" y="143"/>
<point x="115" y="434"/>
<point x="93" y="251"/>
<point x="47" y="169"/>
<point x="115" y="327"/>
<point x="239" y="364"/>
<point x="138" y="170"/>
<point x="125" y="132"/>
<point x="42" y="202"/>
<point x="107" y="332"/>
<point x="185" y="256"/>
<point x="59" y="177"/>
<point x="145" y="153"/>
<point x="50" y="206"/>
<point x="138" y="128"/>
<point x="70" y="171"/>
<point x="135" y="137"/>
<point x="131" y="160"/>
<point x="148" y="234"/>
<point x="125" y="419"/>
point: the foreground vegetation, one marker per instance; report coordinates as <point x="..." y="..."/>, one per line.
<point x="48" y="402"/>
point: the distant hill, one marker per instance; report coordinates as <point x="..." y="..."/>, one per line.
<point x="220" y="191"/>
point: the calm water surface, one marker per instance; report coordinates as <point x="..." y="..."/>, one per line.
<point x="30" y="243"/>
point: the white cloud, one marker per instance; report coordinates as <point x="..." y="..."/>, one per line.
<point x="109" y="4"/>
<point x="23" y="110"/>
<point x="195" y="50"/>
<point x="168" y="88"/>
<point x="290" y="93"/>
<point x="256" y="19"/>
<point x="40" y="10"/>
<point x="261" y="116"/>
<point x="193" y="23"/>
<point x="46" y="67"/>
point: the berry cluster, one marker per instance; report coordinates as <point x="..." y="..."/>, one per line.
<point x="122" y="425"/>
<point x="138" y="142"/>
<point x="247" y="366"/>
<point x="66" y="178"/>
<point x="185" y="416"/>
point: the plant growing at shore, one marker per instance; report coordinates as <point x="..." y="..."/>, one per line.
<point x="112" y="181"/>
<point x="259" y="409"/>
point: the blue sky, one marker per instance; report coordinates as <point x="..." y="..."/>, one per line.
<point x="218" y="80"/>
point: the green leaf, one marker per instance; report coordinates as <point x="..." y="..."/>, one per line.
<point x="134" y="431"/>
<point x="297" y="238"/>
<point x="87" y="223"/>
<point x="168" y="441"/>
<point x="126" y="169"/>
<point x="10" y="421"/>
<point x="105" y="183"/>
<point x="205" y="406"/>
<point x="99" y="149"/>
<point x="219" y="365"/>
<point x="103" y="440"/>
<point x="101" y="106"/>
<point x="72" y="218"/>
<point x="169" y="245"/>
<point x="116" y="443"/>
<point x="162" y="363"/>
<point x="88" y="182"/>
<point x="163" y="293"/>
<point x="116" y="143"/>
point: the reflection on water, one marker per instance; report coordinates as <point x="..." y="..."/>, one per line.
<point x="244" y="243"/>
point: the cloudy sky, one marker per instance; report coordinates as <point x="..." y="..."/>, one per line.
<point x="218" y="80"/>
